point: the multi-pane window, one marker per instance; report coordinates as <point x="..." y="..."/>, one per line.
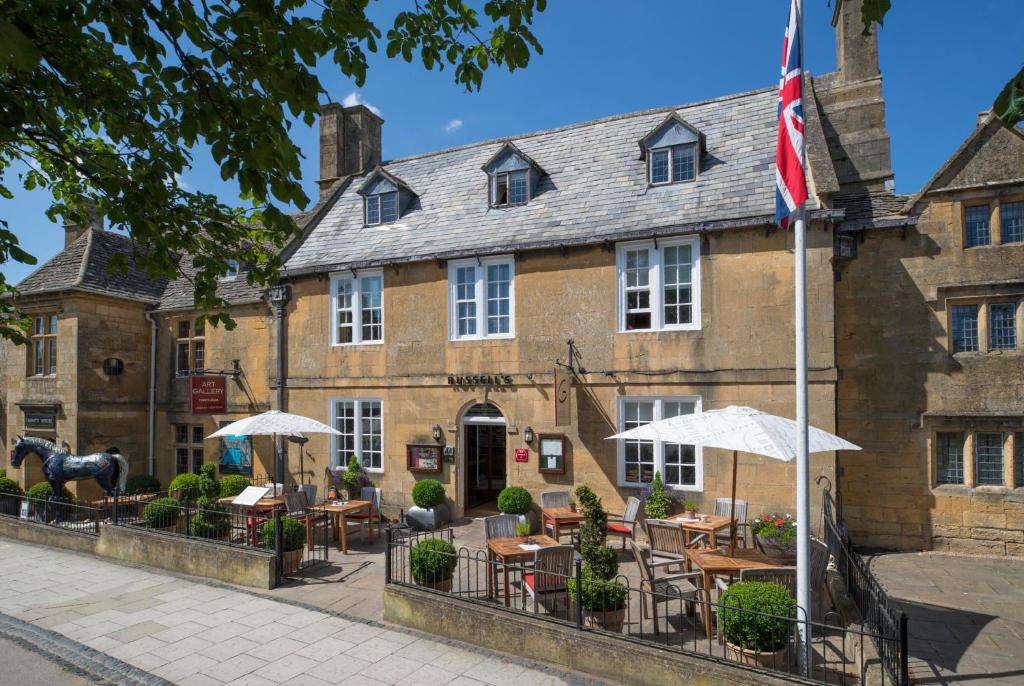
<point x="360" y="422"/>
<point x="1011" y="222"/>
<point x="232" y="272"/>
<point x="190" y="346"/>
<point x="381" y="208"/>
<point x="510" y="188"/>
<point x="977" y="230"/>
<point x="988" y="457"/>
<point x="679" y="465"/>
<point x="482" y="298"/>
<point x="358" y="308"/>
<point x="188" y="448"/>
<point x="659" y="285"/>
<point x="964" y="319"/>
<point x="949" y="457"/>
<point x="43" y="348"/>
<point x="680" y="160"/>
<point x="1002" y="326"/>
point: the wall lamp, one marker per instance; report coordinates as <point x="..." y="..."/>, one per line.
<point x="528" y="435"/>
<point x="437" y="433"/>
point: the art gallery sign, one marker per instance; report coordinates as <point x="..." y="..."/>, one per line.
<point x="207" y="394"/>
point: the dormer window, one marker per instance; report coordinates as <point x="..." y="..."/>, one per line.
<point x="512" y="177"/>
<point x="385" y="197"/>
<point x="672" y="151"/>
<point x="232" y="272"/>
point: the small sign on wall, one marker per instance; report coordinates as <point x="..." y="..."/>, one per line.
<point x="552" y="453"/>
<point x="522" y="454"/>
<point x="449" y="454"/>
<point x="207" y="394"/>
<point x="424" y="458"/>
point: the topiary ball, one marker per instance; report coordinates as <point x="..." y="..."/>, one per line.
<point x="142" y="483"/>
<point x="293" y="534"/>
<point x="9" y="485"/>
<point x="432" y="560"/>
<point x="515" y="500"/>
<point x="757" y="615"/>
<point x="428" y="493"/>
<point x="43" y="490"/>
<point x="161" y="513"/>
<point x="190" y="485"/>
<point x="233" y="484"/>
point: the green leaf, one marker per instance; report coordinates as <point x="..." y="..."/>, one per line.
<point x="873" y="12"/>
<point x="1009" y="105"/>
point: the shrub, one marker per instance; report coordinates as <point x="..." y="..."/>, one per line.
<point x="690" y="505"/>
<point x="354" y="478"/>
<point x="760" y="632"/>
<point x="432" y="560"/>
<point x="209" y="487"/>
<point x="161" y="513"/>
<point x="515" y="500"/>
<point x="428" y="493"/>
<point x="233" y="484"/>
<point x="658" y="502"/>
<point x="210" y="520"/>
<point x="599" y="595"/>
<point x="781" y="529"/>
<point x="9" y="486"/>
<point x="142" y="483"/>
<point x="293" y="534"/>
<point x="43" y="490"/>
<point x="190" y="485"/>
<point x="594" y="528"/>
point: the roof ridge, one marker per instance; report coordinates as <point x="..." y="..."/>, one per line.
<point x="579" y="125"/>
<point x="83" y="265"/>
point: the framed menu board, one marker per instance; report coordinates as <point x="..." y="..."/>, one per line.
<point x="552" y="449"/>
<point x="424" y="458"/>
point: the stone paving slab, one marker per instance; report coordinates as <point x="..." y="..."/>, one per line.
<point x="162" y="628"/>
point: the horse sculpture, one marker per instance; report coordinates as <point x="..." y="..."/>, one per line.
<point x="110" y="469"/>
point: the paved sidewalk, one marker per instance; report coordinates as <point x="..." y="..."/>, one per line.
<point x="966" y="615"/>
<point x="189" y="632"/>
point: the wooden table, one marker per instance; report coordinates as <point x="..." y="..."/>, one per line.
<point x="562" y="517"/>
<point x="713" y="524"/>
<point x="507" y="552"/>
<point x="714" y="562"/>
<point x="339" y="512"/>
<point x="262" y="505"/>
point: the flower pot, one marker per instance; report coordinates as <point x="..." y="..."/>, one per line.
<point x="609" y="621"/>
<point x="292" y="560"/>
<point x="332" y="493"/>
<point x="528" y="518"/>
<point x="428" y="518"/>
<point x="774" y="660"/>
<point x="783" y="552"/>
<point x="445" y="585"/>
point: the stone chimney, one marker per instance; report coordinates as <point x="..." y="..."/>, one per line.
<point x="349" y="142"/>
<point x="856" y="53"/>
<point x="73" y="230"/>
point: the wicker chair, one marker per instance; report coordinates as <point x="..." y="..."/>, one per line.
<point x="552" y="567"/>
<point x="668" y="546"/>
<point x="500" y="526"/>
<point x="625" y="525"/>
<point x="664" y="588"/>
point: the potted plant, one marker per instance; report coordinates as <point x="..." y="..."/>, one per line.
<point x="233" y="484"/>
<point x="433" y="561"/>
<point x="657" y="503"/>
<point x="9" y="492"/>
<point x="523" y="529"/>
<point x="293" y="539"/>
<point x="354" y="478"/>
<point x="602" y="599"/>
<point x="431" y="509"/>
<point x="161" y="514"/>
<point x="516" y="500"/>
<point x="572" y="505"/>
<point x="186" y="488"/>
<point x="775" y="535"/>
<point x="211" y="520"/>
<point x="756" y="619"/>
<point x="139" y="484"/>
<point x="690" y="508"/>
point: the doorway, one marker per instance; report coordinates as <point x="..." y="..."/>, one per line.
<point x="484" y="434"/>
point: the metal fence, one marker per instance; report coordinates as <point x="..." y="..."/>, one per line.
<point x="887" y="622"/>
<point x="65" y="514"/>
<point x="666" y="615"/>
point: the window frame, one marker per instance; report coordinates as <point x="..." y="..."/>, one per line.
<point x="234" y="268"/>
<point x="952" y="306"/>
<point x="966" y="209"/>
<point x="938" y="455"/>
<point x="656" y="283"/>
<point x="190" y="445"/>
<point x="480" y="298"/>
<point x="1002" y="458"/>
<point x="357" y="310"/>
<point x="43" y="335"/>
<point x="1002" y="224"/>
<point x="378" y="198"/>
<point x="991" y="335"/>
<point x="659" y="446"/>
<point x="357" y="402"/>
<point x="492" y="188"/>
<point x="193" y="341"/>
<point x="671" y="150"/>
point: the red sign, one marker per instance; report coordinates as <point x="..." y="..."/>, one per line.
<point x="522" y="455"/>
<point x="207" y="394"/>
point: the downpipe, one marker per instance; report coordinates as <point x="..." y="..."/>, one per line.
<point x="151" y="438"/>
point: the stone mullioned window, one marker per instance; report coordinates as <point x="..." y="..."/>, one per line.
<point x="985" y="325"/>
<point x="990" y="457"/>
<point x="43" y="345"/>
<point x="998" y="222"/>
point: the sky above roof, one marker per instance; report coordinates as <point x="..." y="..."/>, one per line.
<point x="940" y="66"/>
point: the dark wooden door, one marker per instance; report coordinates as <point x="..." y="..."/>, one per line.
<point x="485" y="463"/>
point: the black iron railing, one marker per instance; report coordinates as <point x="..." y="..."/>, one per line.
<point x="65" y="514"/>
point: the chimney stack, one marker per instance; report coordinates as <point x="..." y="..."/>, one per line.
<point x="349" y="142"/>
<point x="856" y="54"/>
<point x="73" y="230"/>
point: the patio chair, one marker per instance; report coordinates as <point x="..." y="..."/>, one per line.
<point x="296" y="507"/>
<point x="820" y="557"/>
<point x="625" y="525"/>
<point x="500" y="526"/>
<point x="309" y="490"/>
<point x="723" y="506"/>
<point x="668" y="546"/>
<point x="664" y="588"/>
<point x="554" y="499"/>
<point x="373" y="495"/>
<point x="552" y="567"/>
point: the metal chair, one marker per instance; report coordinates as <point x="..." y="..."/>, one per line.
<point x="625" y="525"/>
<point x="552" y="567"/>
<point x="500" y="526"/>
<point x="667" y="543"/>
<point x="665" y="588"/>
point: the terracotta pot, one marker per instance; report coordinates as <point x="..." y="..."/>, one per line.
<point x="332" y="493"/>
<point x="292" y="560"/>
<point x="445" y="585"/>
<point x="776" y="660"/>
<point x="609" y="621"/>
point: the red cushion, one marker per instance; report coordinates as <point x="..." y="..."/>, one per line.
<point x="620" y="529"/>
<point x="358" y="515"/>
<point x="528" y="580"/>
<point x="549" y="522"/>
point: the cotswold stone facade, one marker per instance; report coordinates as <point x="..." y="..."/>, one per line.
<point x="432" y="304"/>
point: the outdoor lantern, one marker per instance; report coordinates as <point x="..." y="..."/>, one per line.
<point x="528" y="435"/>
<point x="437" y="432"/>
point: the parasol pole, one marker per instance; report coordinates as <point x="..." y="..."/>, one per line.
<point x="732" y="511"/>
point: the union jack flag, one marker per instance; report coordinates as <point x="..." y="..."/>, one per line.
<point x="790" y="182"/>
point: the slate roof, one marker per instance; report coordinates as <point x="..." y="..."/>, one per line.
<point x="84" y="266"/>
<point x="595" y="189"/>
<point x="179" y="294"/>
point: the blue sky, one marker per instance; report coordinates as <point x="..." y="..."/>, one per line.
<point x="941" y="63"/>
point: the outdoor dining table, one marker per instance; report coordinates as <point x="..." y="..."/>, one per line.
<point x="338" y="511"/>
<point x="561" y="517"/>
<point x="715" y="562"/>
<point x="262" y="505"/>
<point x="507" y="552"/>
<point x="702" y="524"/>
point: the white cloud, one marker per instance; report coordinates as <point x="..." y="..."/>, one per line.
<point x="182" y="184"/>
<point x="355" y="98"/>
<point x="453" y="125"/>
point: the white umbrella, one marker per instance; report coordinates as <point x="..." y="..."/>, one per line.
<point x="274" y="422"/>
<point x="737" y="428"/>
